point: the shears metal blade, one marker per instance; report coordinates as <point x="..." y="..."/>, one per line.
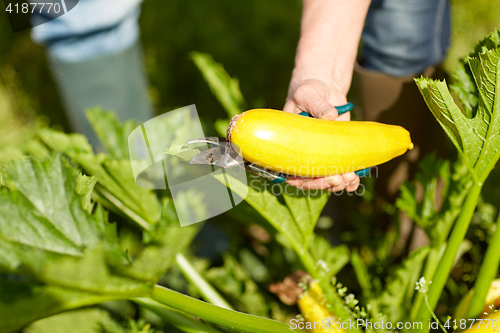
<point x="222" y="156"/>
<point x="226" y="155"/>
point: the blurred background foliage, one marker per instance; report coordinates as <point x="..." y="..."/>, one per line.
<point x="255" y="41"/>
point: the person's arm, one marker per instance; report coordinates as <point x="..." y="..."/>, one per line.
<point x="330" y="34"/>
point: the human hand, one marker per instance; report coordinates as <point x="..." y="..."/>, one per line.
<point x="317" y="97"/>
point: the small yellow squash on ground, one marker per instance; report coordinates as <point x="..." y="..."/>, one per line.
<point x="488" y="324"/>
<point x="318" y="319"/>
<point x="310" y="147"/>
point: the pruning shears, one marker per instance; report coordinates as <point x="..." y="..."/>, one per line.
<point x="225" y="155"/>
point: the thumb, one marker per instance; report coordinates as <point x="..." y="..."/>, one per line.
<point x="319" y="108"/>
<point x="309" y="99"/>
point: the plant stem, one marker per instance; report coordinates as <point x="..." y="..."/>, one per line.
<point x="430" y="268"/>
<point x="122" y="209"/>
<point x="237" y="321"/>
<point x="207" y="291"/>
<point x="434" y="315"/>
<point x="446" y="262"/>
<point x="177" y="318"/>
<point x="486" y="274"/>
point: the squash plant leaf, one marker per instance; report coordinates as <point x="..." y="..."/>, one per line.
<point x="279" y="204"/>
<point x="272" y="207"/>
<point x="436" y="179"/>
<point x="329" y="260"/>
<point x="395" y="301"/>
<point x="111" y="132"/>
<point x="477" y="138"/>
<point x="54" y="248"/>
<point x="77" y="321"/>
<point x="423" y="208"/>
<point x="305" y="206"/>
<point x="54" y="241"/>
<point x="236" y="284"/>
<point x="115" y="178"/>
<point x="84" y="187"/>
<point x="22" y="302"/>
<point x="365" y="279"/>
<point x="225" y="88"/>
<point x="116" y="187"/>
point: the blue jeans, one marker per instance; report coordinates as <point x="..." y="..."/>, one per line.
<point x="92" y="29"/>
<point x="404" y="37"/>
<point x="96" y="60"/>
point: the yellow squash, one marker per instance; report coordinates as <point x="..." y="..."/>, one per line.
<point x="310" y="147"/>
<point x="488" y="324"/>
<point x="318" y="319"/>
<point x="489" y="321"/>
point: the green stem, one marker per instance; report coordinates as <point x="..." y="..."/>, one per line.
<point x="207" y="291"/>
<point x="121" y="208"/>
<point x="237" y="321"/>
<point x="177" y="318"/>
<point x="434" y="315"/>
<point x="487" y="273"/>
<point x="430" y="268"/>
<point x="446" y="262"/>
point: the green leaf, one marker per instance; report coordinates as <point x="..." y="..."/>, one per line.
<point x="134" y="326"/>
<point x="84" y="188"/>
<point x="79" y="321"/>
<point x="364" y="278"/>
<point x="259" y="194"/>
<point x="224" y="87"/>
<point x="279" y="204"/>
<point x="329" y="260"/>
<point x="116" y="186"/>
<point x="492" y="41"/>
<point x="423" y="208"/>
<point x="465" y="89"/>
<point x="46" y="208"/>
<point x="112" y="134"/>
<point x="235" y="282"/>
<point x="306" y="207"/>
<point x="51" y="239"/>
<point x="23" y="303"/>
<point x="395" y="301"/>
<point x="55" y="240"/>
<point x="115" y="177"/>
<point x="164" y="241"/>
<point x="477" y="138"/>
<point x="59" y="255"/>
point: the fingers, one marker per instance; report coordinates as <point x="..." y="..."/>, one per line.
<point x="290" y="107"/>
<point x="354" y="185"/>
<point x="317" y="98"/>
<point x="349" y="182"/>
<point x="344" y="117"/>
